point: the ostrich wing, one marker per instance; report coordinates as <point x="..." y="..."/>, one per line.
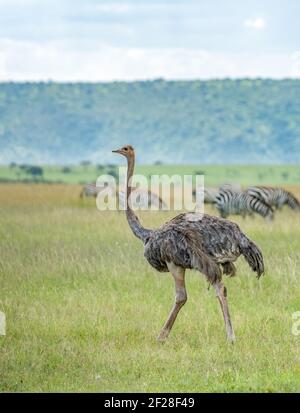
<point x="183" y="248"/>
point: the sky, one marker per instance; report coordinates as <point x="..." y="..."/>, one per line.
<point x="94" y="40"/>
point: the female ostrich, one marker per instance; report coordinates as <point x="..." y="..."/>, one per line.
<point x="192" y="241"/>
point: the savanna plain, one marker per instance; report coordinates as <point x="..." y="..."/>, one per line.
<point x="83" y="308"/>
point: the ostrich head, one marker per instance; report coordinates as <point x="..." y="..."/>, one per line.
<point x="126" y="151"/>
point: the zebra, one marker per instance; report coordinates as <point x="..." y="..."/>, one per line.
<point x="90" y="190"/>
<point x="276" y="197"/>
<point x="229" y="202"/>
<point x="234" y="187"/>
<point x="210" y="194"/>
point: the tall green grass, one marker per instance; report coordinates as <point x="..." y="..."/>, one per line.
<point x="83" y="307"/>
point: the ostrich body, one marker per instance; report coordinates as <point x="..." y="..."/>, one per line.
<point x="192" y="241"/>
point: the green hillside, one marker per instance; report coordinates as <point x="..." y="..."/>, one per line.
<point x="188" y="122"/>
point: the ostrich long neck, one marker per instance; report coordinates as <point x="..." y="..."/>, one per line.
<point x="133" y="221"/>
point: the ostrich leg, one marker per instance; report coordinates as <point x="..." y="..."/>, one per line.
<point x="222" y="297"/>
<point x="180" y="299"/>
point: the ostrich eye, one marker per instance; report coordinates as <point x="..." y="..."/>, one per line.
<point x="125" y="149"/>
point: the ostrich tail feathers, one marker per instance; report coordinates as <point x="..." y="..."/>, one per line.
<point x="253" y="256"/>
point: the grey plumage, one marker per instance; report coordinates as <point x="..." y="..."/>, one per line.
<point x="203" y="243"/>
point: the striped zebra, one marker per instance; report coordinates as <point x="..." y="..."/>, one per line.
<point x="229" y="202"/>
<point x="276" y="197"/>
<point x="210" y="194"/>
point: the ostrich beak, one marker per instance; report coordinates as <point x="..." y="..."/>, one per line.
<point x="117" y="151"/>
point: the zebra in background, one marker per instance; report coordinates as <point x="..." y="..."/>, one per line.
<point x="276" y="197"/>
<point x="210" y="194"/>
<point x="234" y="187"/>
<point x="229" y="202"/>
<point x="90" y="190"/>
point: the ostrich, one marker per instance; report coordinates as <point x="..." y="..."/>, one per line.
<point x="192" y="241"/>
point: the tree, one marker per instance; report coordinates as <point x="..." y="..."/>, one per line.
<point x="66" y="170"/>
<point x="35" y="171"/>
<point x="114" y="173"/>
<point x="85" y="163"/>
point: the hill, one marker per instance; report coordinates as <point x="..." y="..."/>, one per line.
<point x="218" y="121"/>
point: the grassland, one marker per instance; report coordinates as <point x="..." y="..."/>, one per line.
<point x="214" y="174"/>
<point x="84" y="308"/>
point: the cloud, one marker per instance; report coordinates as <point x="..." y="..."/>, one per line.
<point x="20" y="60"/>
<point x="257" y="23"/>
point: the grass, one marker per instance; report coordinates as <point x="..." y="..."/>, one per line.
<point x="84" y="308"/>
<point x="214" y="174"/>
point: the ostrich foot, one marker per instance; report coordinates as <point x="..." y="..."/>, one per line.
<point x="163" y="336"/>
<point x="231" y="338"/>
